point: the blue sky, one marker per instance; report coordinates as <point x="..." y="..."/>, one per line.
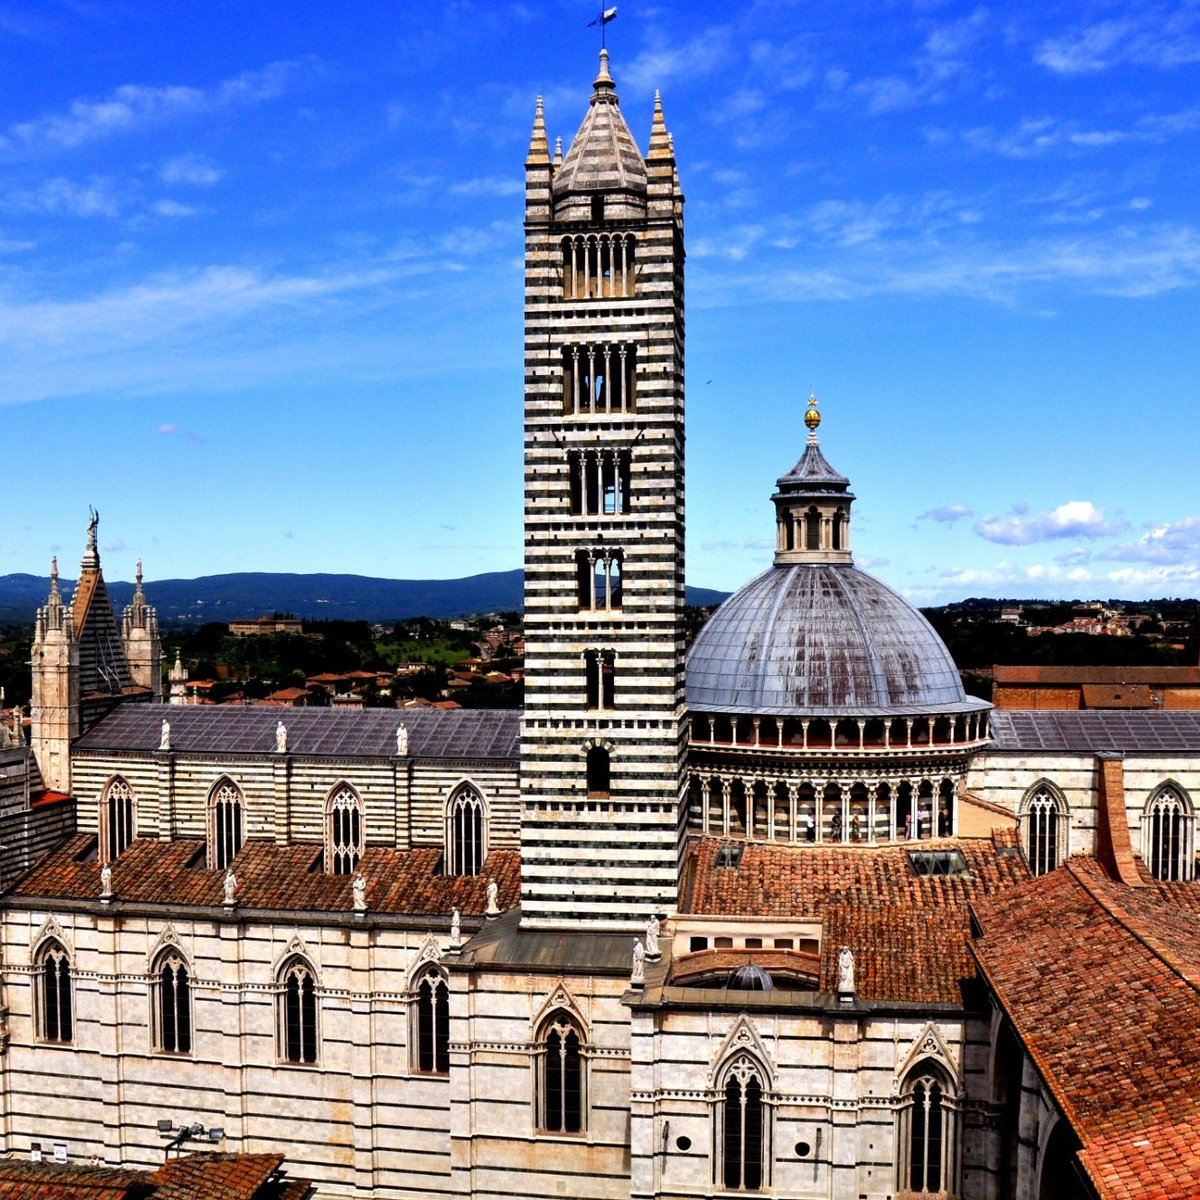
<point x="260" y="280"/>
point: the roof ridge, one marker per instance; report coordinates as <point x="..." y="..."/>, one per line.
<point x="1126" y="919"/>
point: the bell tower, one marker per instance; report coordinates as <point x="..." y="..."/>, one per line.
<point x="603" y="732"/>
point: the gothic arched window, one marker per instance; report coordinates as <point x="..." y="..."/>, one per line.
<point x="1167" y="834"/>
<point x="1044" y="824"/>
<point x="466" y="831"/>
<point x="54" y="1001"/>
<point x="927" y="1136"/>
<point x="117" y="828"/>
<point x="172" y="1013"/>
<point x="742" y="1128"/>
<point x="344" y="830"/>
<point x="297" y="1012"/>
<point x="225" y="819"/>
<point x="431" y="1032"/>
<point x="561" y="1076"/>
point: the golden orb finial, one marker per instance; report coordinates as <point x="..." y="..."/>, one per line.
<point x="812" y="418"/>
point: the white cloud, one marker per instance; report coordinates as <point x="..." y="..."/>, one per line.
<point x="699" y="56"/>
<point x="1158" y="36"/>
<point x="98" y="197"/>
<point x="1075" y="519"/>
<point x="172" y="208"/>
<point x="1173" y="543"/>
<point x="946" y="514"/>
<point x="489" y="185"/>
<point x="191" y="169"/>
<point x="134" y="106"/>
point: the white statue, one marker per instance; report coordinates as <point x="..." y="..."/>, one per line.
<point x="652" y="928"/>
<point x="360" y="893"/>
<point x="455" y="928"/>
<point x="845" y="970"/>
<point x="230" y="885"/>
<point x="493" y="899"/>
<point x="401" y="740"/>
<point x="638" y="975"/>
<point x="105" y="881"/>
<point x="281" y="737"/>
<point x="164" y="741"/>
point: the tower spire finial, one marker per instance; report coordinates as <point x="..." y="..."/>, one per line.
<point x="812" y="416"/>
<point x="91" y="556"/>
<point x="539" y="151"/>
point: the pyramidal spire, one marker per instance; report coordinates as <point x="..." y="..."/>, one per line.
<point x="539" y="150"/>
<point x="660" y="139"/>
<point x="139" y="596"/>
<point x="55" y="594"/>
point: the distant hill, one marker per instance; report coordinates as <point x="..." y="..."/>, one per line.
<point x="315" y="597"/>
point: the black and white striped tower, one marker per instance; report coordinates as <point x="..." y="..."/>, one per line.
<point x="603" y="732"/>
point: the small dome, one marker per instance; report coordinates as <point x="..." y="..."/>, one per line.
<point x="750" y="977"/>
<point x="821" y="639"/>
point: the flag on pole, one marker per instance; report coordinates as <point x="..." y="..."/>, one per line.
<point x="609" y="14"/>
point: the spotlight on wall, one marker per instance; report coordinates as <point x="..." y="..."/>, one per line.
<point x="181" y="1134"/>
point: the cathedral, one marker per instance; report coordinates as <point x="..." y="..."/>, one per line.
<point x="785" y="914"/>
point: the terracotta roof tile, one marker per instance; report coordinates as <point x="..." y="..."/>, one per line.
<point x="1102" y="984"/>
<point x="273" y="877"/>
<point x="909" y="932"/>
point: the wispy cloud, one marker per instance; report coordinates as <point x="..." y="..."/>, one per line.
<point x="134" y="106"/>
<point x="191" y="169"/>
<point x="947" y="514"/>
<point x="1160" y="36"/>
<point x="98" y="197"/>
<point x="173" y="431"/>
<point x="667" y="58"/>
<point x="1075" y="519"/>
<point x="489" y="185"/>
<point x="173" y="208"/>
<point x="1036" y="136"/>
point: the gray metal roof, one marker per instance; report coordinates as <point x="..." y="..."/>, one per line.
<point x="1101" y="731"/>
<point x="821" y="639"/>
<point x="337" y="733"/>
<point x="813" y="472"/>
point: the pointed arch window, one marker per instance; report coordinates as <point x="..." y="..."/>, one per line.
<point x="561" y="1075"/>
<point x="55" y="1008"/>
<point x="742" y="1131"/>
<point x="1045" y="827"/>
<point x="343" y="830"/>
<point x="117" y="824"/>
<point x="225" y="820"/>
<point x="431" y="1027"/>
<point x="927" y="1135"/>
<point x="1168" y="834"/>
<point x="172" y="1012"/>
<point x="466" y="831"/>
<point x="297" y="1012"/>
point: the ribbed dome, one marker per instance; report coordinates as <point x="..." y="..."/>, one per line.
<point x="821" y="639"/>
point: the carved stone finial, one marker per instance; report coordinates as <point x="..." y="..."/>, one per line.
<point x="455" y="929"/>
<point x="106" y="882"/>
<point x="401" y="740"/>
<point x="229" y="885"/>
<point x="493" y="898"/>
<point x="164" y="741"/>
<point x="280" y="737"/>
<point x="359" y="888"/>
<point x="637" y="976"/>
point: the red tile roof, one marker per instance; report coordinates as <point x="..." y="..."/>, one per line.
<point x="909" y="932"/>
<point x="273" y="877"/>
<point x="1102" y="984"/>
<point x="187" y="1177"/>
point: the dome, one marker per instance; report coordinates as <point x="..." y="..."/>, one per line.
<point x="823" y="639"/>
<point x="750" y="977"/>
